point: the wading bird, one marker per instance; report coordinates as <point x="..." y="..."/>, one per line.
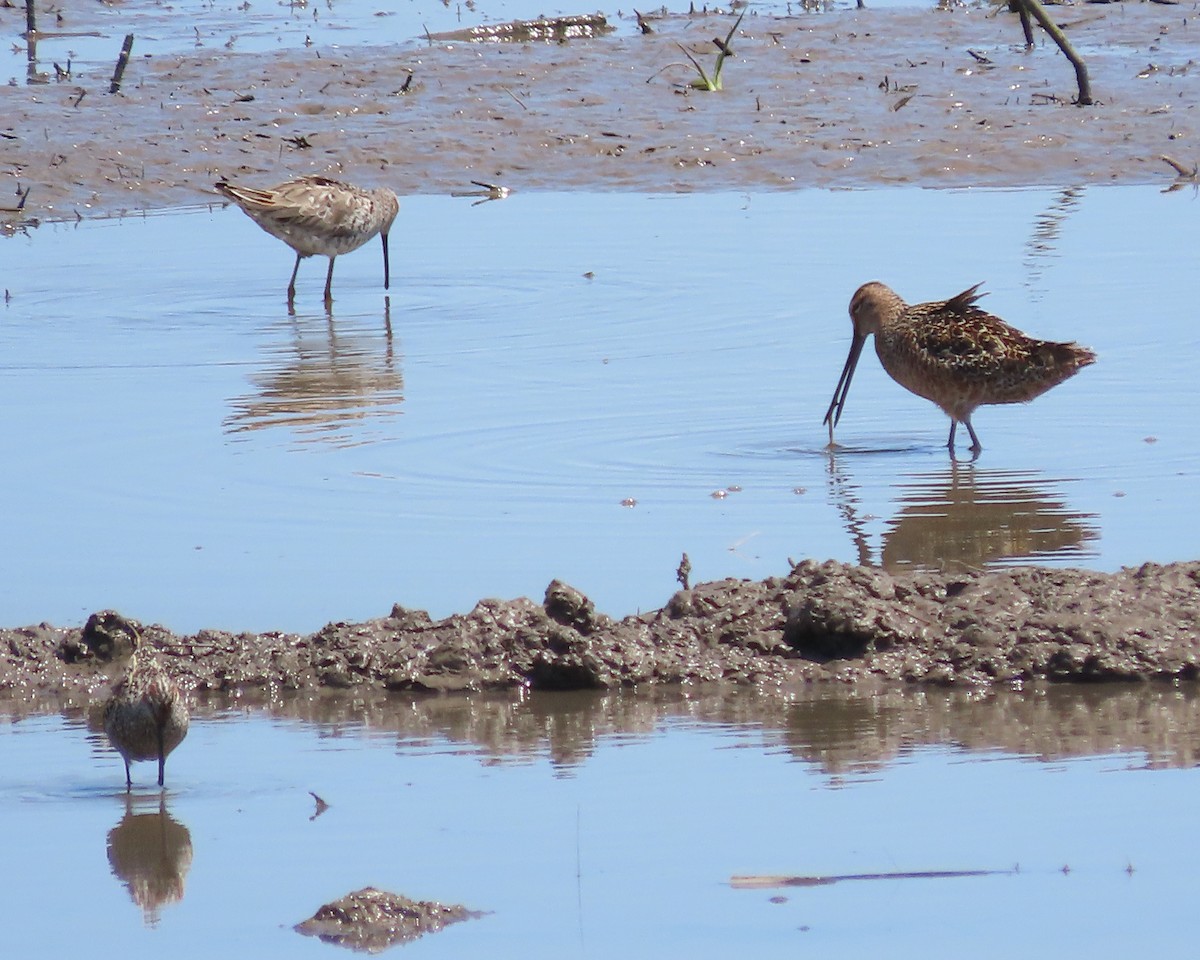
<point x="318" y="216"/>
<point x="146" y="716"/>
<point x="954" y="354"/>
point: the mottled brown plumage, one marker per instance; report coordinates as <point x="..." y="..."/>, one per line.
<point x="954" y="354"/>
<point x="146" y="716"/>
<point x="316" y="215"/>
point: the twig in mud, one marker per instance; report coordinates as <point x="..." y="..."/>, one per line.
<point x="1186" y="173"/>
<point x="407" y="82"/>
<point x="21" y="198"/>
<point x="643" y="23"/>
<point x="1183" y="175"/>
<point x="1026" y="23"/>
<point x="515" y="97"/>
<point x="902" y="101"/>
<point x="1028" y="8"/>
<point x="122" y="63"/>
<point x="79" y="99"/>
<point x="493" y="192"/>
<point x="30" y="20"/>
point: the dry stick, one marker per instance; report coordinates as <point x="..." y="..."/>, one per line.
<point x="122" y="62"/>
<point x="1081" y="75"/>
<point x="1179" y="168"/>
<point x="30" y="19"/>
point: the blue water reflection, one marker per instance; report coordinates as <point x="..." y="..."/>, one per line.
<point x="587" y="402"/>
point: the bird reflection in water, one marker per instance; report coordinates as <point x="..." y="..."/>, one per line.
<point x="150" y="853"/>
<point x="327" y="381"/>
<point x="967" y="517"/>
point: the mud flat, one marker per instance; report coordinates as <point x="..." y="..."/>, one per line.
<point x="853" y="98"/>
<point x="822" y="622"/>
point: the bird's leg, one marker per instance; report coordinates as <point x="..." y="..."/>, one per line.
<point x="128" y="778"/>
<point x="976" y="446"/>
<point x="292" y="282"/>
<point x="329" y="284"/>
<point x="162" y="757"/>
<point x="953" y="427"/>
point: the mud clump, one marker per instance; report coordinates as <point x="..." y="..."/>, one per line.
<point x="823" y="621"/>
<point x="372" y="920"/>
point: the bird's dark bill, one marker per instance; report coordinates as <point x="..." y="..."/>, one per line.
<point x="834" y="413"/>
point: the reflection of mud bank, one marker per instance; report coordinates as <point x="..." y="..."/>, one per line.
<point x="849" y="98"/>
<point x="828" y="621"/>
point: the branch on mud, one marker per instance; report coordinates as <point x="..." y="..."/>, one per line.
<point x="122" y="63"/>
<point x="1188" y="173"/>
<point x="1184" y="174"/>
<point x="1034" y="8"/>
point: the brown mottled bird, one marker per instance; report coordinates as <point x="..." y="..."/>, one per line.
<point x="316" y="215"/>
<point x="954" y="354"/>
<point x="145" y="717"/>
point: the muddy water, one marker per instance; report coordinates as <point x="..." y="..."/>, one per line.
<point x="558" y="815"/>
<point x="588" y="403"/>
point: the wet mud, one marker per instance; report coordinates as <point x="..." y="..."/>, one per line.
<point x="371" y="920"/>
<point x="822" y="622"/>
<point x="851" y="98"/>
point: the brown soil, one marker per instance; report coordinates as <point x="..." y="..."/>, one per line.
<point x="857" y="98"/>
<point x="824" y="621"/>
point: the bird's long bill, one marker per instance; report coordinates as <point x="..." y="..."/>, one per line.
<point x="387" y="272"/>
<point x="834" y="413"/>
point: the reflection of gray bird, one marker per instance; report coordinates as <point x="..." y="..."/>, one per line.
<point x="954" y="354"/>
<point x="316" y="215"/>
<point x="146" y="716"/>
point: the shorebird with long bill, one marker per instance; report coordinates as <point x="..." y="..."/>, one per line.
<point x="952" y="353"/>
<point x="318" y="216"/>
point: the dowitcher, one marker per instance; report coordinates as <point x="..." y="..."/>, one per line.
<point x="316" y="215"/>
<point x="954" y="354"/>
<point x="146" y="716"/>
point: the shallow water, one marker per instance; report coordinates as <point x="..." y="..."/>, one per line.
<point x="190" y="453"/>
<point x="596" y="824"/>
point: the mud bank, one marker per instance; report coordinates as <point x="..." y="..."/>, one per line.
<point x="824" y="621"/>
<point x="854" y="98"/>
